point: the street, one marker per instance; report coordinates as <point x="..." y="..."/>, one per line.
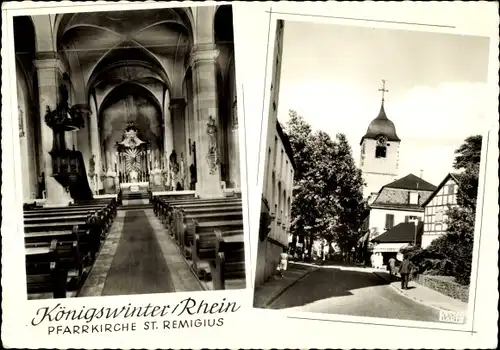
<point x="351" y="292"/>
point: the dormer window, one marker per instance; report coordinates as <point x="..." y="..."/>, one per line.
<point x="414" y="198"/>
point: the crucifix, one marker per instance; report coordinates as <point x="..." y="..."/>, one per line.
<point x="383" y="89"/>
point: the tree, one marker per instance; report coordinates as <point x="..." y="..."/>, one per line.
<point x="467" y="160"/>
<point x="459" y="239"/>
<point x="303" y="206"/>
<point x="451" y="254"/>
<point x="327" y="196"/>
<point x="350" y="208"/>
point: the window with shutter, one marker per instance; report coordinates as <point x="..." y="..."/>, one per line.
<point x="389" y="221"/>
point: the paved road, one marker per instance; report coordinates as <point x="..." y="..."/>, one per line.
<point x="354" y="293"/>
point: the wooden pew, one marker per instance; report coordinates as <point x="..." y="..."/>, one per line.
<point x="229" y="263"/>
<point x="205" y="245"/>
<point x="166" y="216"/>
<point x="184" y="219"/>
<point x="165" y="208"/>
<point x="87" y="233"/>
<point x="181" y="216"/>
<point x="43" y="273"/>
<point x="204" y="228"/>
<point x="105" y="214"/>
<point x="66" y="254"/>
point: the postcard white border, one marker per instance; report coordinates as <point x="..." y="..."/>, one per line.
<point x="17" y="310"/>
<point x="462" y="19"/>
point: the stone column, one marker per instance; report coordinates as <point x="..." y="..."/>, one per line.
<point x="234" y="149"/>
<point x="168" y="137"/>
<point x="177" y="107"/>
<point x="49" y="77"/>
<point x="205" y="103"/>
<point x="95" y="145"/>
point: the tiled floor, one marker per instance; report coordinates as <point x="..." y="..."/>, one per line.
<point x="94" y="284"/>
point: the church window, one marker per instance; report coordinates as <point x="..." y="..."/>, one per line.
<point x="413" y="198"/>
<point x="389" y="221"/>
<point x="380" y="152"/>
<point x="275" y="150"/>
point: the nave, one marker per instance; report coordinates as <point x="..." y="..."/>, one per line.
<point x="190" y="244"/>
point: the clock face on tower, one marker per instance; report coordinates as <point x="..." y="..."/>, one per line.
<point x="382" y="140"/>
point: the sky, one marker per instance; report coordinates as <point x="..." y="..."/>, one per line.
<point x="331" y="75"/>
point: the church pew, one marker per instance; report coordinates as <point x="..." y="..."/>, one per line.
<point x="154" y="199"/>
<point x="172" y="219"/>
<point x="166" y="215"/>
<point x="67" y="255"/>
<point x="183" y="220"/>
<point x="88" y="233"/>
<point x="43" y="274"/>
<point x="56" y="218"/>
<point x="181" y="215"/>
<point x="164" y="203"/>
<point x="87" y="205"/>
<point x="206" y="227"/>
<point x="103" y="214"/>
<point x="59" y="210"/>
<point x="205" y="244"/>
<point x="102" y="217"/>
<point x="229" y="263"/>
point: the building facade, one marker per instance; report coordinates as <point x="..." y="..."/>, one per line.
<point x="276" y="202"/>
<point x="86" y="83"/>
<point x="436" y="208"/>
<point x="398" y="202"/>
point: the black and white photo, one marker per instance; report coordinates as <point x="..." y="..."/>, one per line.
<point x="371" y="171"/>
<point x="129" y="152"/>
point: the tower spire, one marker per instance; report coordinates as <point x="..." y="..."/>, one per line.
<point x="383" y="90"/>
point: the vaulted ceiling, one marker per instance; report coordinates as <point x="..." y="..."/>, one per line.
<point x="101" y="45"/>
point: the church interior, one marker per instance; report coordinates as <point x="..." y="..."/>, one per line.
<point x="129" y="151"/>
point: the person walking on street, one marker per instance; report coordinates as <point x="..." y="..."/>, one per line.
<point x="283" y="264"/>
<point x="404" y="270"/>
<point x="284" y="259"/>
<point x="392" y="267"/>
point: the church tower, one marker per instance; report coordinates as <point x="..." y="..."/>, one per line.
<point x="379" y="152"/>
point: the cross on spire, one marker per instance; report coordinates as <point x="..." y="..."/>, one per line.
<point x="383" y="89"/>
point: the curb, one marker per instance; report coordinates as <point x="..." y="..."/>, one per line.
<point x="415" y="299"/>
<point x="281" y="292"/>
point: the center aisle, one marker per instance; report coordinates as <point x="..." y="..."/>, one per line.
<point x="138" y="266"/>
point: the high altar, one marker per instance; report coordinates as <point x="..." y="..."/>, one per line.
<point x="133" y="161"/>
<point x="136" y="167"/>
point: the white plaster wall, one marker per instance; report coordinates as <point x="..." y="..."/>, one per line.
<point x="29" y="171"/>
<point x="378" y="172"/>
<point x="269" y="253"/>
<point x="377" y="218"/>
